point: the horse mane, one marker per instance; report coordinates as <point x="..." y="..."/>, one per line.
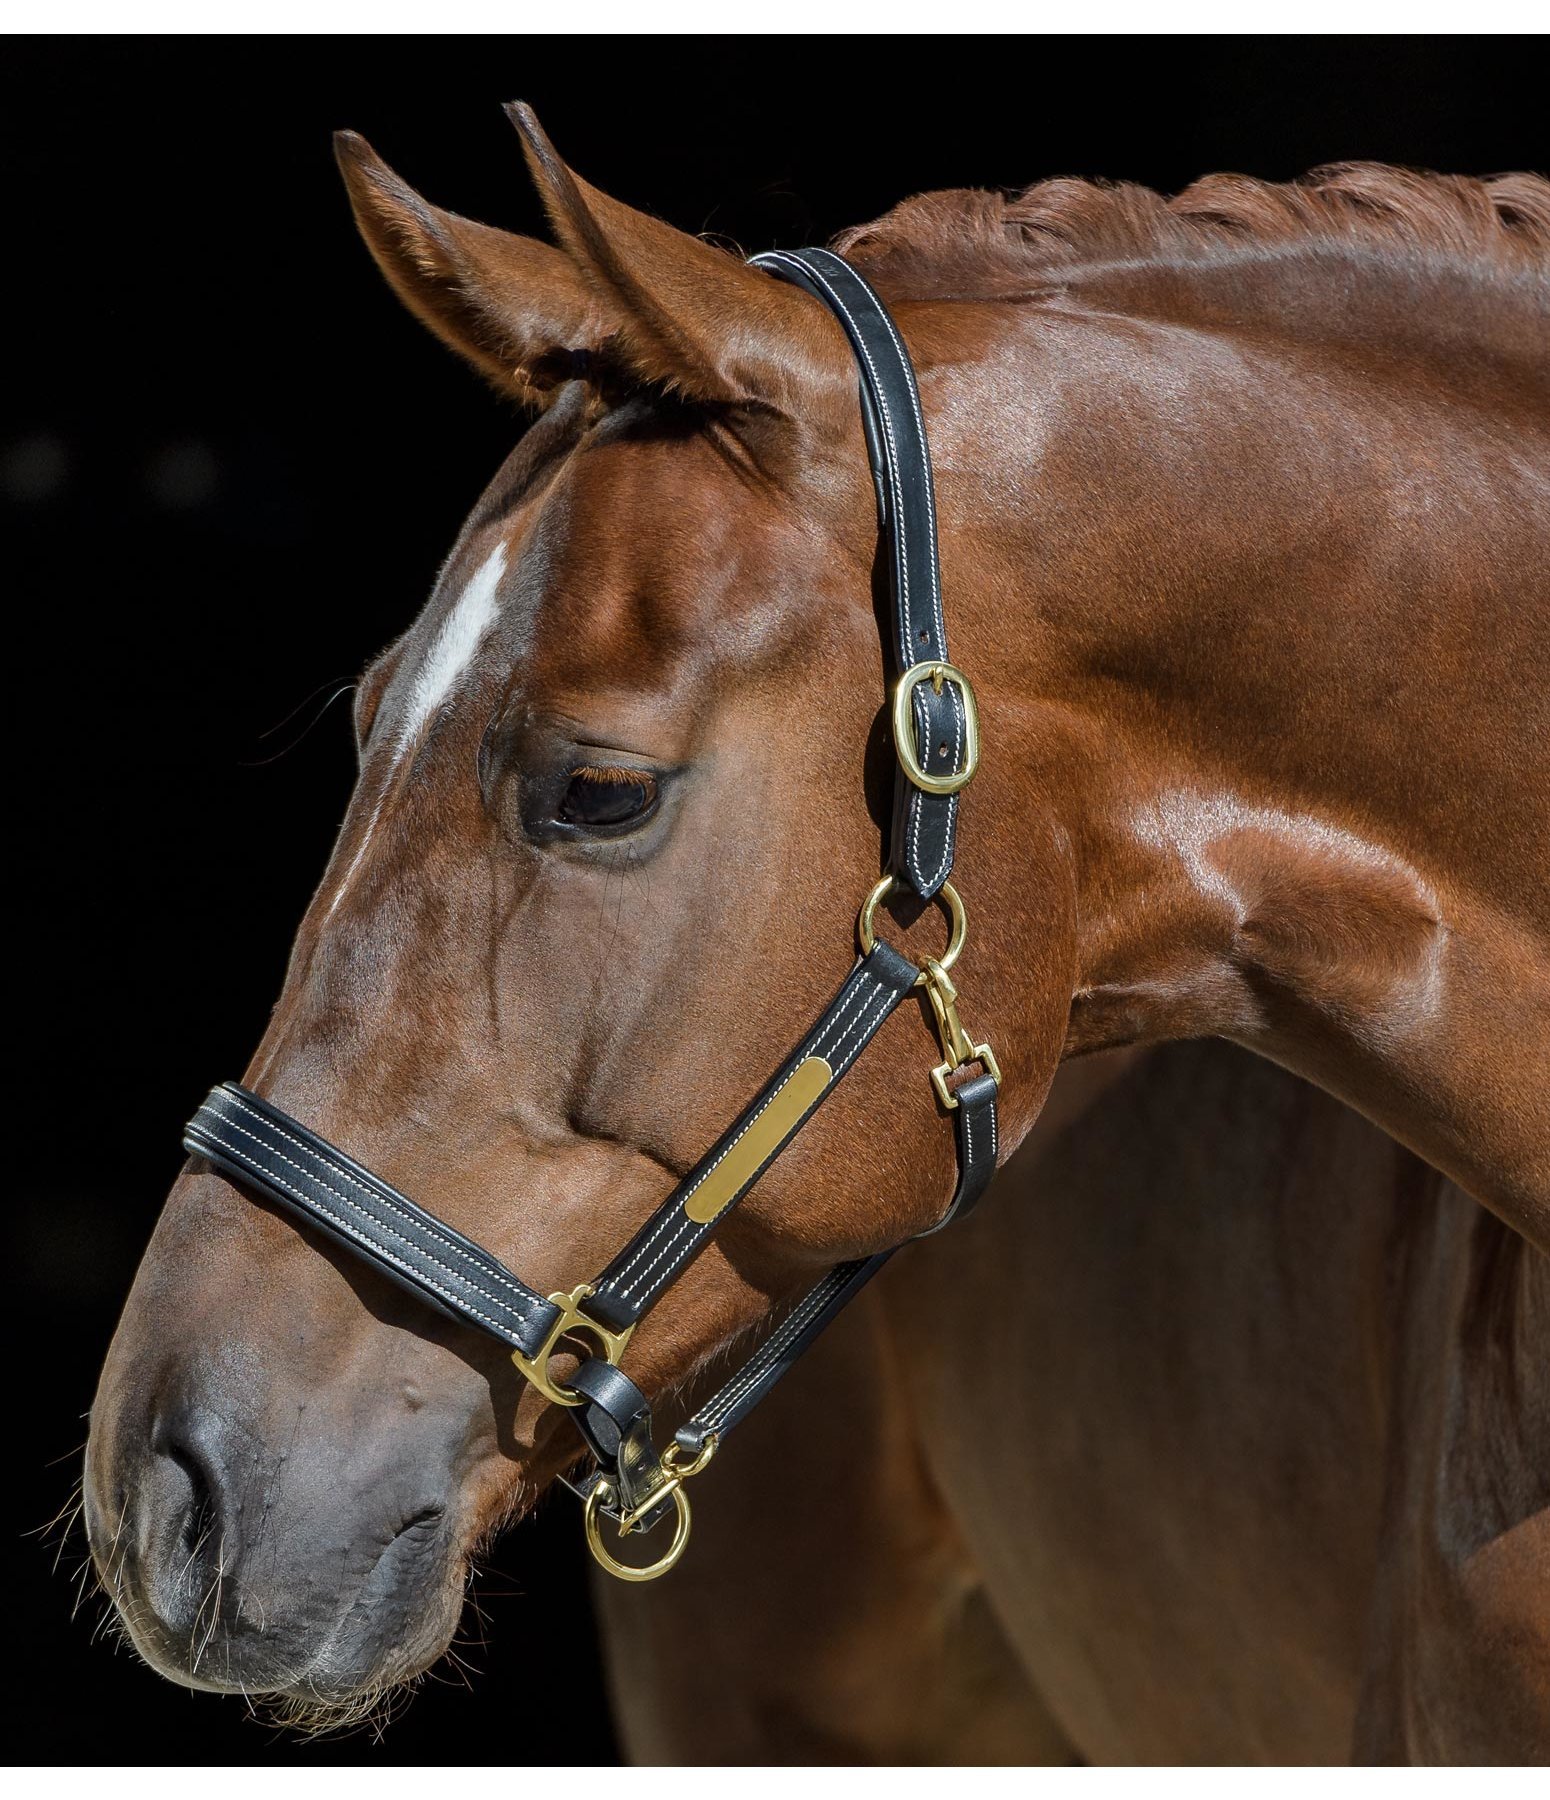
<point x="977" y="241"/>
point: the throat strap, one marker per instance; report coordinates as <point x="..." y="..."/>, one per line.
<point x="975" y="1125"/>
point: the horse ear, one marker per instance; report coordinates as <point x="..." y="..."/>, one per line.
<point x="515" y="308"/>
<point x="689" y="315"/>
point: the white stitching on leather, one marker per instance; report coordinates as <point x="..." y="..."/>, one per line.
<point x="664" y="1223"/>
<point x="920" y="425"/>
<point x="309" y="1202"/>
<point x="717" y="1408"/>
<point x="865" y="1023"/>
<point x="675" y="1223"/>
<point x="906" y="628"/>
<point x="523" y="1303"/>
<point x="724" y="1402"/>
<point x="906" y="647"/>
<point x="861" y="976"/>
<point x="381" y="1224"/>
<point x="908" y="372"/>
<point x="682" y="1224"/>
<point x="917" y="806"/>
<point x="934" y="879"/>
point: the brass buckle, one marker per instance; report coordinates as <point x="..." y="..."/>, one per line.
<point x="904" y="727"/>
<point x="602" y="1494"/>
<point x="572" y="1320"/>
<point x="866" y="927"/>
<point x="957" y="1046"/>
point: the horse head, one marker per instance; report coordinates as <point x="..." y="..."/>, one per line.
<point x="621" y="787"/>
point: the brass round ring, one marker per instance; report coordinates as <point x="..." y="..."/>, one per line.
<point x="947" y="892"/>
<point x="629" y="1571"/>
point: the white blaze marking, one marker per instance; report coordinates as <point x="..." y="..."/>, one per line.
<point x="454" y="646"/>
<point x="452" y="649"/>
<point x="355" y="861"/>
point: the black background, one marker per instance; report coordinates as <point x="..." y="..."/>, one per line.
<point x="229" y="467"/>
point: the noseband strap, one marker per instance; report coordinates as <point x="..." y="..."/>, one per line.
<point x="257" y="1144"/>
<point x="936" y="737"/>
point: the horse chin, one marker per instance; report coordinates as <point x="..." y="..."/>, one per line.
<point x="314" y="1668"/>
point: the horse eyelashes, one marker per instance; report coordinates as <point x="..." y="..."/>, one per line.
<point x="607" y="796"/>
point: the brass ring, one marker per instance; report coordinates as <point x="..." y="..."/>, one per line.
<point x="702" y="1456"/>
<point x="947" y="892"/>
<point x="571" y="1322"/>
<point x="628" y="1571"/>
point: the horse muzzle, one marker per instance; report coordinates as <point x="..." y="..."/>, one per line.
<point x="319" y="1555"/>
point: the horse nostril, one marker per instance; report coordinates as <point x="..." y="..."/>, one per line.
<point x="183" y="1504"/>
<point x="427" y="1515"/>
<point x="201" y="1513"/>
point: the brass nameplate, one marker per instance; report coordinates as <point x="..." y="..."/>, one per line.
<point x="760" y="1141"/>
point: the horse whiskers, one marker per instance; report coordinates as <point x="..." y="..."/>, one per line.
<point x="372" y="1711"/>
<point x="194" y="1554"/>
<point x="65" y="1515"/>
<point x="67" y="1519"/>
<point x="460" y="1673"/>
<point x="212" y="1600"/>
<point x="117" y="1616"/>
<point x="101" y="1577"/>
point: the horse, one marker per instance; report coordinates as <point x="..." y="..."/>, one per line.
<point x="1244" y="507"/>
<point x="1269" y="1481"/>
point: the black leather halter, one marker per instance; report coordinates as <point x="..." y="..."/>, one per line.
<point x="936" y="735"/>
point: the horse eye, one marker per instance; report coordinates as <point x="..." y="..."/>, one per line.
<point x="607" y="796"/>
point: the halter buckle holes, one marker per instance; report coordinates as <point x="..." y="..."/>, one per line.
<point x="671" y="1486"/>
<point x="571" y="1322"/>
<point x="904" y="727"/>
<point x="866" y="926"/>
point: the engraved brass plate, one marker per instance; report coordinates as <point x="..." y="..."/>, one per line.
<point x="760" y="1141"/>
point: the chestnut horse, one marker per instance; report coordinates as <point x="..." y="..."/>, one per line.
<point x="1245" y="512"/>
<point x="1264" y="1477"/>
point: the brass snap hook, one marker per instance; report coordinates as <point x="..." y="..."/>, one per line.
<point x="602" y="1495"/>
<point x="958" y="1047"/>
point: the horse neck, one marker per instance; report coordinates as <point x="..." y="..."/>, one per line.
<point x="1267" y="619"/>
